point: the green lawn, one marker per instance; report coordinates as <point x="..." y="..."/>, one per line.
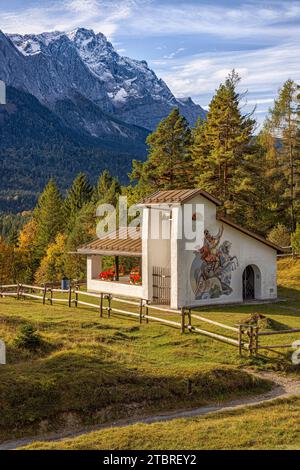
<point x="270" y="426"/>
<point x="96" y="370"/>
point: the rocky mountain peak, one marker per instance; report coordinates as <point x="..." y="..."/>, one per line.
<point x="55" y="66"/>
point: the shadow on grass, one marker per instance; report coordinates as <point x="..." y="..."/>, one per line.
<point x="288" y="293"/>
<point x="94" y="389"/>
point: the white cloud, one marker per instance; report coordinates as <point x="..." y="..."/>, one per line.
<point x="152" y="18"/>
<point x="206" y="18"/>
<point x="174" y="53"/>
<point x="274" y="25"/>
<point x="101" y="15"/>
<point x="262" y="70"/>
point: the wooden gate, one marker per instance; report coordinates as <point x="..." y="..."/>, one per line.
<point x="161" y="285"/>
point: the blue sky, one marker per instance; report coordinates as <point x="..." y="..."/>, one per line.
<point x="191" y="44"/>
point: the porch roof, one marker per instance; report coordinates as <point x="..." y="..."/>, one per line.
<point x="177" y="196"/>
<point x="122" y="242"/>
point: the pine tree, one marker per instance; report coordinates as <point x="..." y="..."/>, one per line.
<point x="48" y="216"/>
<point x="249" y="190"/>
<point x="84" y="230"/>
<point x="224" y="153"/>
<point x="107" y="189"/>
<point x="77" y="196"/>
<point x="275" y="181"/>
<point x="282" y="125"/>
<point x="168" y="165"/>
<point x="296" y="240"/>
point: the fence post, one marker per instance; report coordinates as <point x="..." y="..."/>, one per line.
<point x="256" y="338"/>
<point x="147" y="311"/>
<point x="44" y="294"/>
<point x="189" y="320"/>
<point x="76" y="296"/>
<point x="141" y="310"/>
<point x="51" y="296"/>
<point x="250" y="333"/>
<point x="101" y="304"/>
<point x="240" y="339"/>
<point x="182" y="320"/>
<point x="70" y="296"/>
<point x="21" y="291"/>
<point x="18" y="290"/>
<point x="109" y="298"/>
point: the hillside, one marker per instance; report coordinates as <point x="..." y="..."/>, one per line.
<point x="96" y="370"/>
<point x="271" y="426"/>
<point x="89" y="370"/>
<point x="288" y="274"/>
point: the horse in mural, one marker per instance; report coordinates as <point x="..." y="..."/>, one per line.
<point x="212" y="267"/>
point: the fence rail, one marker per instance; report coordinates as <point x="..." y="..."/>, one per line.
<point x="246" y="336"/>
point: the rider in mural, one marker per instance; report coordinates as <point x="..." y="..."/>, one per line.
<point x="209" y="251"/>
<point x="212" y="267"/>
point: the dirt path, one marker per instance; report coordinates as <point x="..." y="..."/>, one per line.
<point x="284" y="387"/>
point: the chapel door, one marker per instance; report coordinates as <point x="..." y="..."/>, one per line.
<point x="161" y="285"/>
<point x="248" y="284"/>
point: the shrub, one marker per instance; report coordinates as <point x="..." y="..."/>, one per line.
<point x="29" y="338"/>
<point x="296" y="240"/>
<point x="280" y="235"/>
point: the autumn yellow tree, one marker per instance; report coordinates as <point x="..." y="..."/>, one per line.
<point x="26" y="250"/>
<point x="52" y="267"/>
<point x="7" y="262"/>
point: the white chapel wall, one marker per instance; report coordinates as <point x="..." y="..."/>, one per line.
<point x="243" y="250"/>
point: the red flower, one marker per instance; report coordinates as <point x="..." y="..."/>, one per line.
<point x="107" y="275"/>
<point x="135" y="276"/>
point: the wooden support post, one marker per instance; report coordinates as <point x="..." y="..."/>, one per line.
<point x="117" y="275"/>
<point x="70" y="296"/>
<point x="101" y="305"/>
<point x="141" y="310"/>
<point x="182" y="320"/>
<point x="147" y="311"/>
<point x="109" y="305"/>
<point x="18" y="291"/>
<point x="190" y="319"/>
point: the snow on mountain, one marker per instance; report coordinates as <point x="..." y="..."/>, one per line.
<point x="32" y="44"/>
<point x="59" y="66"/>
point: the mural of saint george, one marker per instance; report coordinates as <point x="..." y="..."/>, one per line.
<point x="212" y="267"/>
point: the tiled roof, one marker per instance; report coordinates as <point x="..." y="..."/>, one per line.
<point x="124" y="241"/>
<point x="251" y="234"/>
<point x="180" y="196"/>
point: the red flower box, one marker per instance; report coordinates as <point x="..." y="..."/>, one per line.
<point x="135" y="276"/>
<point x="107" y="275"/>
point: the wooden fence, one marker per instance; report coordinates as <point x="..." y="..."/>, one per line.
<point x="243" y="336"/>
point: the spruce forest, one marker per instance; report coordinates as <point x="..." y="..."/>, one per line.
<point x="255" y="172"/>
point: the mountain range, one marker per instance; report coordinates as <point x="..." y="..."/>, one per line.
<point x="94" y="99"/>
